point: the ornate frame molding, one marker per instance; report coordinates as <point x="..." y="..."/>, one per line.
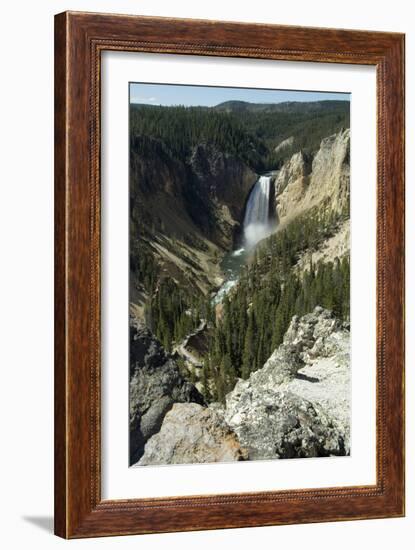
<point x="79" y="40"/>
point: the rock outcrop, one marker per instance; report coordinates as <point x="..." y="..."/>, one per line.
<point x="294" y="173"/>
<point x="334" y="247"/>
<point x="297" y="405"/>
<point x="155" y="385"/>
<point x="192" y="434"/>
<point x="301" y="184"/>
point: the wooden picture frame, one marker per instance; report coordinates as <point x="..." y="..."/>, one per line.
<point x="79" y="40"/>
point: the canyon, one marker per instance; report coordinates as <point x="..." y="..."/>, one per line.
<point x="239" y="288"/>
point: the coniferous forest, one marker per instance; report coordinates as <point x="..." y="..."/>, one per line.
<point x="250" y="134"/>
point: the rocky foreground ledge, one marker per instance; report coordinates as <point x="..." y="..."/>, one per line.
<point x="296" y="406"/>
<point x="155" y="386"/>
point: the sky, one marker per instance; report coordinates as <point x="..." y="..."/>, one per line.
<point x="170" y="94"/>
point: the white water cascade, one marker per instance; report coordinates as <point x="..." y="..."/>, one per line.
<point x="256" y="226"/>
<point x="256" y="222"/>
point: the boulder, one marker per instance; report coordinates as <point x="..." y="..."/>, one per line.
<point x="192" y="434"/>
<point x="276" y="423"/>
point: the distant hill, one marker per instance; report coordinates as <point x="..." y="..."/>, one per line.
<point x="284" y="107"/>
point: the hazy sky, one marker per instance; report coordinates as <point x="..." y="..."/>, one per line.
<point x="170" y="94"/>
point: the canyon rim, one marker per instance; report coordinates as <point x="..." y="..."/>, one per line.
<point x="239" y="291"/>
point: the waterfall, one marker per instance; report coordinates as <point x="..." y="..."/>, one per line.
<point x="256" y="222"/>
<point x="256" y="226"/>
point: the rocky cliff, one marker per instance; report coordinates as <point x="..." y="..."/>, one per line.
<point x="155" y="385"/>
<point x="296" y="406"/>
<point x="325" y="180"/>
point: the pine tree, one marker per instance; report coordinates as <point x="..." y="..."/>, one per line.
<point x="206" y="372"/>
<point x="229" y="374"/>
<point x="220" y="386"/>
<point x="248" y="357"/>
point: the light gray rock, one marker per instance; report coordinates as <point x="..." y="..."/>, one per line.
<point x="192" y="434"/>
<point x="301" y="184"/>
<point x="155" y="385"/>
<point x="294" y="170"/>
<point x="298" y="404"/>
<point x="277" y="423"/>
<point x="317" y="334"/>
<point x="331" y="171"/>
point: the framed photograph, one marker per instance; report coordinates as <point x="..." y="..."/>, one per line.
<point x="229" y="275"/>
